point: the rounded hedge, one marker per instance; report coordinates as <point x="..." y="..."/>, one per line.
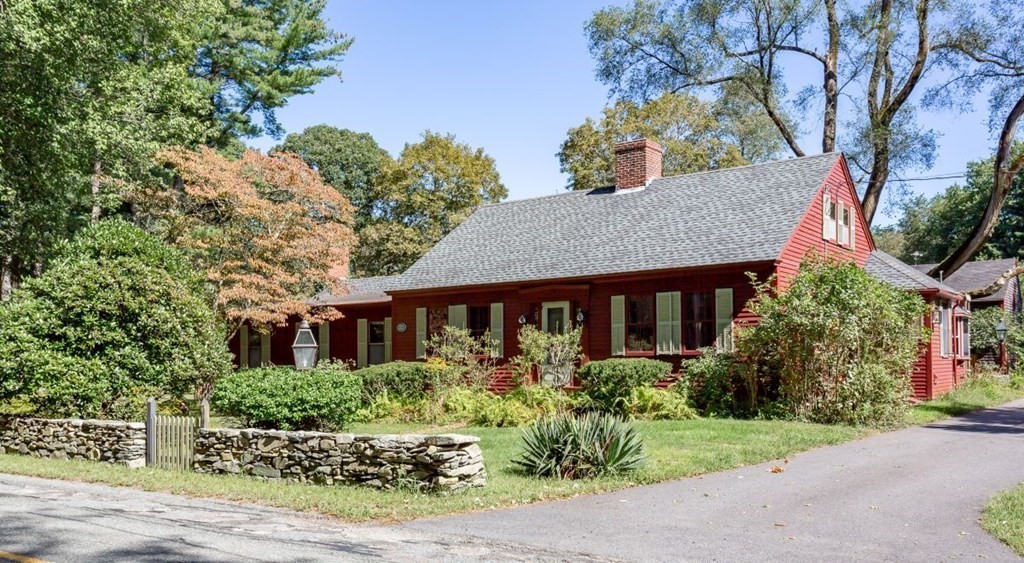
<point x="322" y="399"/>
<point x="608" y="384"/>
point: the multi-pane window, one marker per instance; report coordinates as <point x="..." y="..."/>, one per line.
<point x="699" y="320"/>
<point x="965" y="337"/>
<point x="640" y="323"/>
<point x="944" y="332"/>
<point x="479" y="320"/>
<point x="830" y="219"/>
<point x="844" y="233"/>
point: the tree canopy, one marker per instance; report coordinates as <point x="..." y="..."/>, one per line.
<point x="695" y="136"/>
<point x="266" y="230"/>
<point x="420" y="197"/>
<point x="350" y="162"/>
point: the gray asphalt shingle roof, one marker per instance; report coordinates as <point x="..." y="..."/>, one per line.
<point x="890" y="269"/>
<point x="360" y="290"/>
<point x="978" y="276"/>
<point x="729" y="216"/>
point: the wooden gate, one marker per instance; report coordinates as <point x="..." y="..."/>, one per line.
<point x="170" y="440"/>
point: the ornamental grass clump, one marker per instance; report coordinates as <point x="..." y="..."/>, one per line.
<point x="580" y="447"/>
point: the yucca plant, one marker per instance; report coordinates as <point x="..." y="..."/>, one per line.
<point x="571" y="446"/>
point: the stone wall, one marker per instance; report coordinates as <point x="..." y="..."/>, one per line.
<point x="96" y="440"/>
<point x="442" y="462"/>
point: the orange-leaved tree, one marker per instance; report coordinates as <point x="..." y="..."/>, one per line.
<point x="268" y="232"/>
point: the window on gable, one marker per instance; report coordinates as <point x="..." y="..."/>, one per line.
<point x="640" y="323"/>
<point x="699" y="320"/>
<point x="479" y="321"/>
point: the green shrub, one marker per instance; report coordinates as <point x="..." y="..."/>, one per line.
<point x="116" y="311"/>
<point x="652" y="403"/>
<point x="409" y="380"/>
<point x="504" y="412"/>
<point x="607" y="384"/>
<point x="840" y="343"/>
<point x="711" y="382"/>
<point x="324" y="398"/>
<point x="580" y="446"/>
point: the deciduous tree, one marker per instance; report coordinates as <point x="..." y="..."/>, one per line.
<point x="432" y="187"/>
<point x="695" y="136"/>
<point x="266" y="230"/>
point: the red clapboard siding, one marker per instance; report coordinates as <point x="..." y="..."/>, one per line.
<point x="807" y="236"/>
<point x="343" y="330"/>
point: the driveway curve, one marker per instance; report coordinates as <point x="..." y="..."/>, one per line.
<point x="910" y="495"/>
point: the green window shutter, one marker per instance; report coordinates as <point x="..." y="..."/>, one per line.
<point x="324" y="333"/>
<point x="498" y="330"/>
<point x="421" y="332"/>
<point x="457" y="316"/>
<point x="362" y="344"/>
<point x="723" y="319"/>
<point x="618" y="325"/>
<point x="243" y="346"/>
<point x="264" y="348"/>
<point x="663" y="317"/>
<point x="387" y="339"/>
<point x="677" y="322"/>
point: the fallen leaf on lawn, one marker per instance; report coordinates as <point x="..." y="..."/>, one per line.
<point x="780" y="525"/>
<point x="778" y="469"/>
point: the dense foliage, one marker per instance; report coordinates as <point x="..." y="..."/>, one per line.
<point x="840" y="342"/>
<point x="609" y="383"/>
<point x="714" y="383"/>
<point x="540" y="350"/>
<point x="695" y="136"/>
<point x="325" y="398"/>
<point x="266" y="230"/>
<point x="580" y="447"/>
<point x="116" y="315"/>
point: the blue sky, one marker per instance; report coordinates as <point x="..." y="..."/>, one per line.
<point x="511" y="77"/>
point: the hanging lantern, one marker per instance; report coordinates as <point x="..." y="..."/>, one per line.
<point x="305" y="348"/>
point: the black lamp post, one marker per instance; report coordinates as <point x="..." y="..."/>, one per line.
<point x="305" y="347"/>
<point x="1001" y="337"/>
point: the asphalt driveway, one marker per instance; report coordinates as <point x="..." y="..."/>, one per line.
<point x="911" y="495"/>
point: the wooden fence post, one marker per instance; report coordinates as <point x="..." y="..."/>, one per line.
<point x="204" y="413"/>
<point x="151" y="432"/>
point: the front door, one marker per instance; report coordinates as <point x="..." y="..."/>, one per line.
<point x="555" y="317"/>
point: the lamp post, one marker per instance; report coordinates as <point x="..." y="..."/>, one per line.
<point x="305" y="347"/>
<point x="1001" y="337"/>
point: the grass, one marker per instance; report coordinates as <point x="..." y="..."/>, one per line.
<point x="1004" y="518"/>
<point x="675" y="449"/>
<point x="975" y="394"/>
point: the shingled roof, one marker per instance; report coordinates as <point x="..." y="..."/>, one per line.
<point x="736" y="215"/>
<point x="902" y="275"/>
<point x="359" y="290"/>
<point x="977" y="277"/>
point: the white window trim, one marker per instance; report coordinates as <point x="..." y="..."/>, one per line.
<point x="555" y="305"/>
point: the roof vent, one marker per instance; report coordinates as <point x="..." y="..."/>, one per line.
<point x="637" y="163"/>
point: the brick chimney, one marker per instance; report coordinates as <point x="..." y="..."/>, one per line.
<point x="636" y="163"/>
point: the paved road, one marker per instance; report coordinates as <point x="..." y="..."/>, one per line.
<point x="77" y="522"/>
<point x="911" y="495"/>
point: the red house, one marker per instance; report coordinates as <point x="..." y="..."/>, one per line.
<point x="651" y="267"/>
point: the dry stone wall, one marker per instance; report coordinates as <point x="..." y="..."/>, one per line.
<point x="96" y="440"/>
<point x="444" y="462"/>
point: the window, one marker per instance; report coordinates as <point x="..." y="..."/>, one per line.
<point x="699" y="315"/>
<point x="479" y="321"/>
<point x="376" y="343"/>
<point x="965" y="337"/>
<point x="640" y="323"/>
<point x="255" y="350"/>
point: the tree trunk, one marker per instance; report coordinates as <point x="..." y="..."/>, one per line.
<point x="97" y="170"/>
<point x="6" y="285"/>
<point x="876" y="181"/>
<point x="1005" y="171"/>
<point x="831" y="85"/>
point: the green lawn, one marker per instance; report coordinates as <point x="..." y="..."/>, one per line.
<point x="675" y="448"/>
<point x="973" y="395"/>
<point x="1004" y="518"/>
